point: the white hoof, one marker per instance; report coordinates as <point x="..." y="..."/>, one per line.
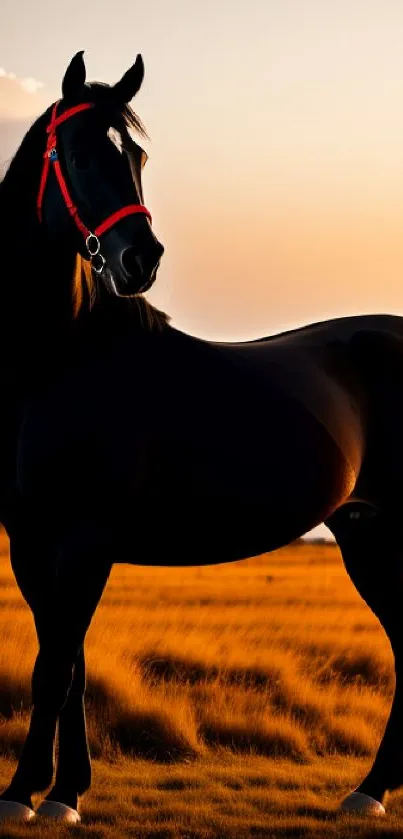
<point x="16" y="811"/>
<point x="358" y="802"/>
<point x="59" y="811"/>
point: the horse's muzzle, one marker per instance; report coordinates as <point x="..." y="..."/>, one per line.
<point x="140" y="268"/>
<point x="132" y="253"/>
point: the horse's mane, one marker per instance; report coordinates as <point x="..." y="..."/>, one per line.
<point x="18" y="188"/>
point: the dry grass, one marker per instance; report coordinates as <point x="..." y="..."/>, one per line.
<point x="232" y="701"/>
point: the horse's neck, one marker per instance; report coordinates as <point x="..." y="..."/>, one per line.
<point x="35" y="308"/>
<point x="34" y="319"/>
<point x="35" y="302"/>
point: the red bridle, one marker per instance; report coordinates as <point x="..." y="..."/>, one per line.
<point x="51" y="156"/>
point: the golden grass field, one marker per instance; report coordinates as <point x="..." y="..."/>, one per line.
<point x="239" y="700"/>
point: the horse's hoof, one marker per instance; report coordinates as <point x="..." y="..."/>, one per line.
<point x="59" y="811"/>
<point x="358" y="802"/>
<point x="15" y="811"/>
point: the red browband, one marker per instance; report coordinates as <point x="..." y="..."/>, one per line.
<point x="51" y="156"/>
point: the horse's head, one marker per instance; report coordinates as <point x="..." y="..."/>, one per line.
<point x="91" y="192"/>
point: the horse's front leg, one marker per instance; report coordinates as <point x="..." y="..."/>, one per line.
<point x="73" y="770"/>
<point x="62" y="619"/>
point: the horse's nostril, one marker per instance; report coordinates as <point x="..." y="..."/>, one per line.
<point x="131" y="262"/>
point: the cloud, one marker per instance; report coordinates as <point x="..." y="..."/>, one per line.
<point x="6" y="75"/>
<point x="21" y="101"/>
<point x="28" y="83"/>
<point x="20" y="98"/>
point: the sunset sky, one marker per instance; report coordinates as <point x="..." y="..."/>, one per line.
<point x="275" y="176"/>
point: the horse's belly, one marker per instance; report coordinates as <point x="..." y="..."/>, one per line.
<point x="208" y="509"/>
<point x="202" y="534"/>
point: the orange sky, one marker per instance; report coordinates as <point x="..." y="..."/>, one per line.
<point x="275" y="176"/>
<point x="276" y="164"/>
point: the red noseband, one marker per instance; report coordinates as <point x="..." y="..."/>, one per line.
<point x="51" y="156"/>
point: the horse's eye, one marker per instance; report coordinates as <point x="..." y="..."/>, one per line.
<point x="81" y="159"/>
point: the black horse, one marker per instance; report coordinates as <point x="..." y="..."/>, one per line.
<point x="126" y="440"/>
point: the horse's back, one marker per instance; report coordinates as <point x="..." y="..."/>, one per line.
<point x="328" y="367"/>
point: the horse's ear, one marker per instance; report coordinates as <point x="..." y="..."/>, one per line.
<point x="130" y="83"/>
<point x="74" y="77"/>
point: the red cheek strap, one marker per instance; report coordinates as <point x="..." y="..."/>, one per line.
<point x="51" y="156"/>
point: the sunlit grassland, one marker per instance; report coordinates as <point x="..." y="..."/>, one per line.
<point x="235" y="700"/>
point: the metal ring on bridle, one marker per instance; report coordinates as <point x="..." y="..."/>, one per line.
<point x="98" y="262"/>
<point x="93" y="244"/>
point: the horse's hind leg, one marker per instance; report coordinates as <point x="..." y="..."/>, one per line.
<point x="373" y="555"/>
